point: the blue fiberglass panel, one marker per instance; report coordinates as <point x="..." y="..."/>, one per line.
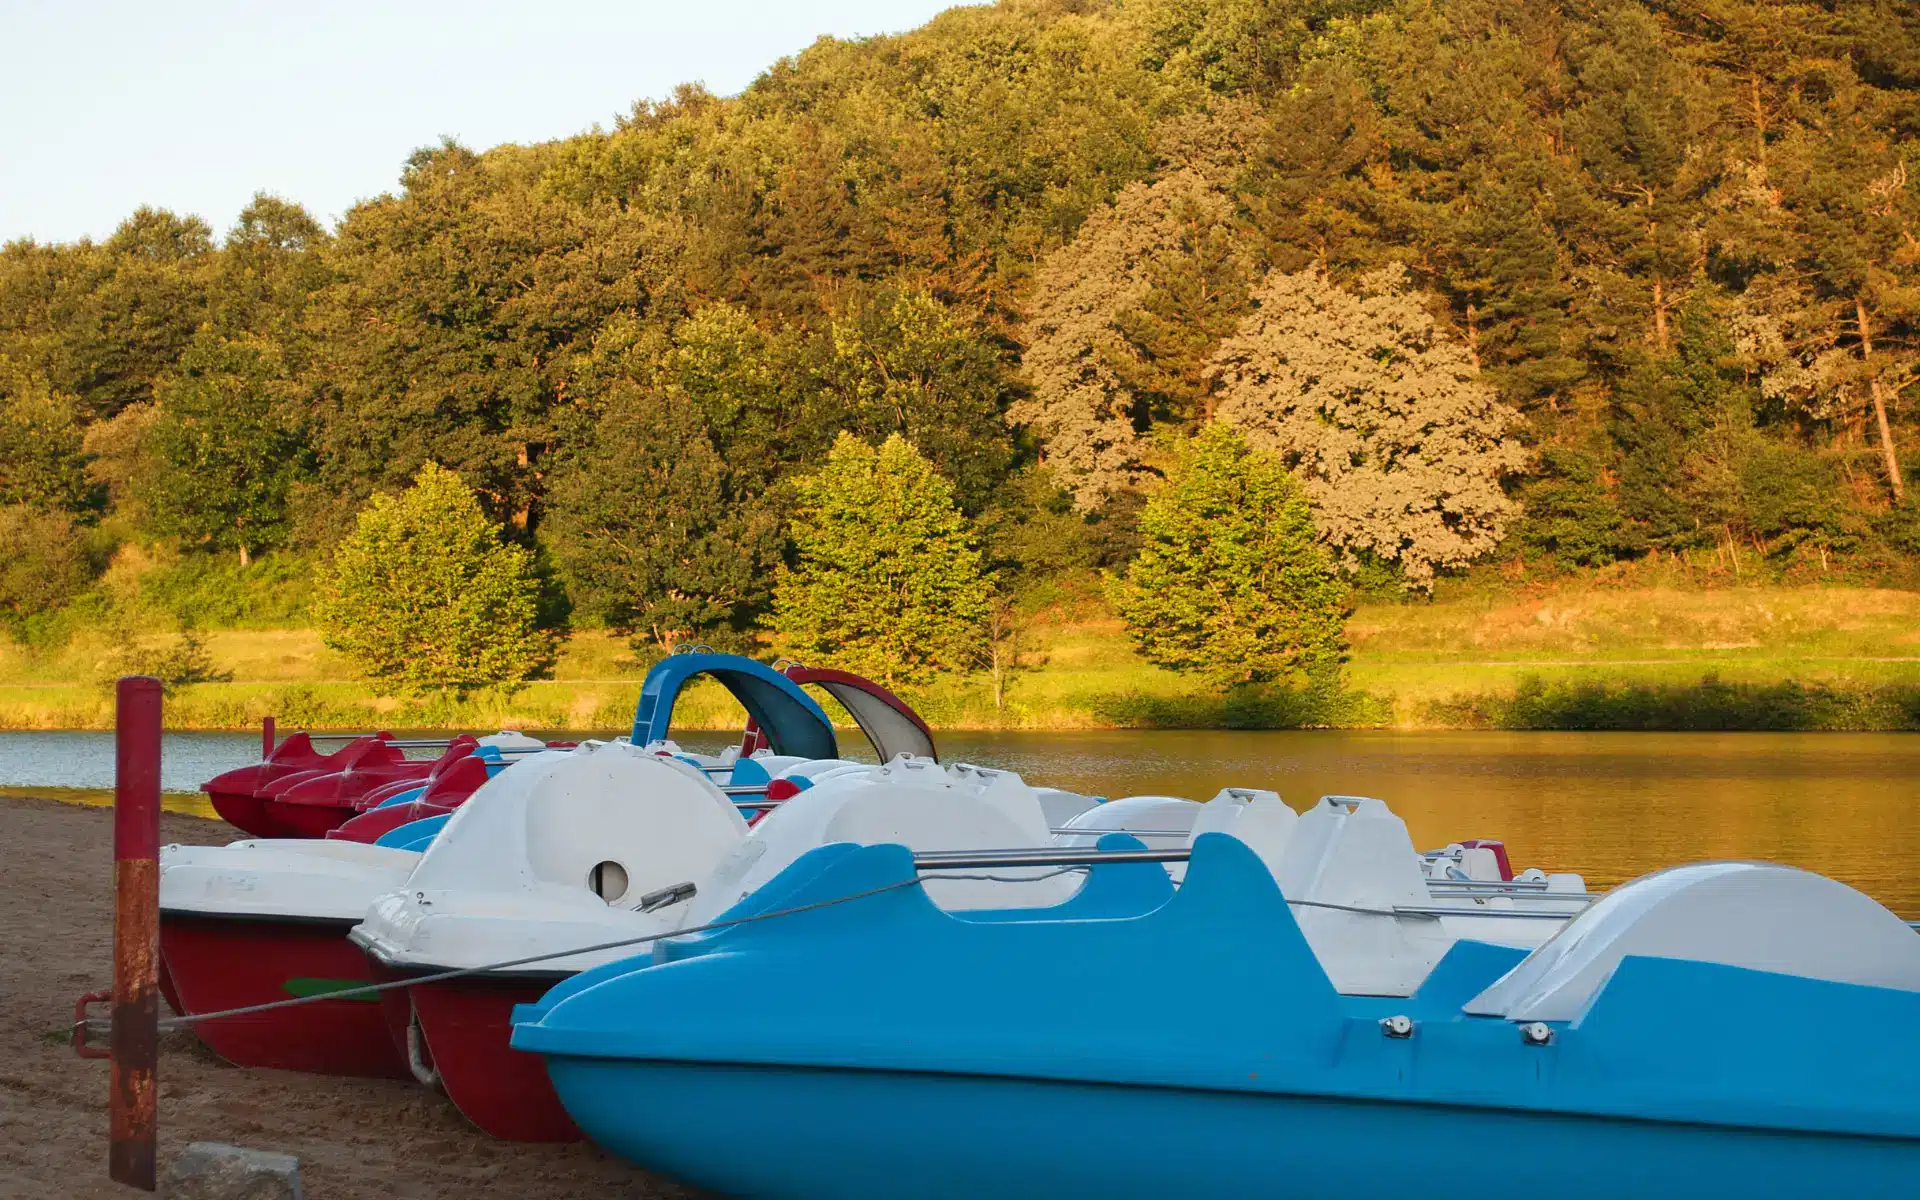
<point x="881" y="1135"/>
<point x="791" y="720"/>
<point x="1197" y="1049"/>
<point x="406" y="797"/>
<point x="414" y="835"/>
<point x="1088" y="1001"/>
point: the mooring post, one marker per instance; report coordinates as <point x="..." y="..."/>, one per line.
<point x="266" y="737"/>
<point x="136" y="931"/>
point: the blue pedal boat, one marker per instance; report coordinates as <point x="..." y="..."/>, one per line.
<point x="1718" y="1029"/>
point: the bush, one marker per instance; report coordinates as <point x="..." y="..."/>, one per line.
<point x="176" y="661"/>
<point x="43" y="564"/>
<point x="1230" y="582"/>
<point x="274" y="592"/>
<point x="424" y="593"/>
<point x="1710" y="704"/>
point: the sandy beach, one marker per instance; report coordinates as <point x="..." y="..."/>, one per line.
<point x="356" y="1139"/>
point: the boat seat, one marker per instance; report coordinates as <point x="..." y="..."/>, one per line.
<point x="1353" y="852"/>
<point x="1261" y="819"/>
<point x="913" y="802"/>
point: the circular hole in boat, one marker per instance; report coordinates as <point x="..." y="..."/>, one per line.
<point x="608" y="881"/>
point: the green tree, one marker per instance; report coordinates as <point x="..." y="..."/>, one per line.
<point x="226" y="451"/>
<point x="44" y="463"/>
<point x="135" y="308"/>
<point x="744" y="380"/>
<point x="888" y="582"/>
<point x="43" y="563"/>
<point x="452" y="316"/>
<point x="270" y="268"/>
<point x="1230" y="582"/>
<point x="649" y="529"/>
<point x="1572" y="515"/>
<point x="425" y="594"/>
<point x="902" y="363"/>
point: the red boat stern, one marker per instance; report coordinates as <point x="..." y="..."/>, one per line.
<point x="215" y="963"/>
<point x="467" y="1026"/>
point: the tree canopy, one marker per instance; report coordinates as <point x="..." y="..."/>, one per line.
<point x="888" y="581"/>
<point x="424" y="594"/>
<point x="1582" y="282"/>
<point x="1230" y="582"/>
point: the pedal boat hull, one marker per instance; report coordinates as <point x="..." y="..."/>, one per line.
<point x="221" y="962"/>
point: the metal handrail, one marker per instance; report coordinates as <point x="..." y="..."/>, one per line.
<point x="948" y="860"/>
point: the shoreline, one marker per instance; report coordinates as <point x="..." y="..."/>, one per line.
<point x="1588" y="699"/>
<point x="1575" y="658"/>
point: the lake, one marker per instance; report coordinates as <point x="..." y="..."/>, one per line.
<point x="1609" y="805"/>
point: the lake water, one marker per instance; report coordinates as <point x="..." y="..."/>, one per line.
<point x="1610" y="806"/>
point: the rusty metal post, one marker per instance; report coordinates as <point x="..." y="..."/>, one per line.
<point x="136" y="931"/>
<point x="266" y="737"/>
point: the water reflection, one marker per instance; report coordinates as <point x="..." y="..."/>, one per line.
<point x="1610" y="806"/>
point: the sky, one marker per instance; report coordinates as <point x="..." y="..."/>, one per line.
<point x="194" y="105"/>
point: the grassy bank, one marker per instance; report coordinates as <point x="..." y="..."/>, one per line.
<point x="1578" y="658"/>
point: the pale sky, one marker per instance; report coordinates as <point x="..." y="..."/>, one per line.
<point x="194" y="105"/>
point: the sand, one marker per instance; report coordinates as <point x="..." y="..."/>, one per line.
<point x="356" y="1139"/>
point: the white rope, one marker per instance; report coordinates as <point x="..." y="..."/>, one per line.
<point x="167" y="1024"/>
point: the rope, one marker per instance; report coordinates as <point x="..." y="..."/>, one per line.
<point x="168" y="1024"/>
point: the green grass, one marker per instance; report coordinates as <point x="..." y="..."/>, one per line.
<point x="1586" y="656"/>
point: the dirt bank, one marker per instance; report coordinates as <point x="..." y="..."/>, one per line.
<point x="356" y="1139"/>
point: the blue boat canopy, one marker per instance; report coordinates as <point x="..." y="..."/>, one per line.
<point x="789" y="718"/>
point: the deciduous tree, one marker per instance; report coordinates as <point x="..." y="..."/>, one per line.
<point x="1122" y="321"/>
<point x="1383" y="418"/>
<point x="227" y="448"/>
<point x="1231" y="583"/>
<point x="887" y="581"/>
<point x="44" y="461"/>
<point x="425" y="594"/>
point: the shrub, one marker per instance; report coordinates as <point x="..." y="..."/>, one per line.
<point x="43" y="563"/>
<point x="424" y="593"/>
<point x="888" y="581"/>
<point x="1230" y="582"/>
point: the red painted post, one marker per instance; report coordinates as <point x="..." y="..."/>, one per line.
<point x="266" y="737"/>
<point x="136" y="931"/>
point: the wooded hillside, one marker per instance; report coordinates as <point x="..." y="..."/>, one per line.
<point x="1574" y="283"/>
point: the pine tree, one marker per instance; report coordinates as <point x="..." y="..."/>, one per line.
<point x="887" y="581"/>
<point x="1230" y="582"/>
<point x="424" y="594"/>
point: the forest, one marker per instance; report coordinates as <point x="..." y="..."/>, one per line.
<point x="1517" y="288"/>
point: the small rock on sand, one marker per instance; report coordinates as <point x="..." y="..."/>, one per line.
<point x="217" y="1171"/>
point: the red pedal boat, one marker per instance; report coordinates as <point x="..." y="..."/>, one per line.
<point x="257" y="922"/>
<point x="236" y="794"/>
<point x="445" y="790"/>
<point x="316" y="806"/>
<point x="567" y="863"/>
